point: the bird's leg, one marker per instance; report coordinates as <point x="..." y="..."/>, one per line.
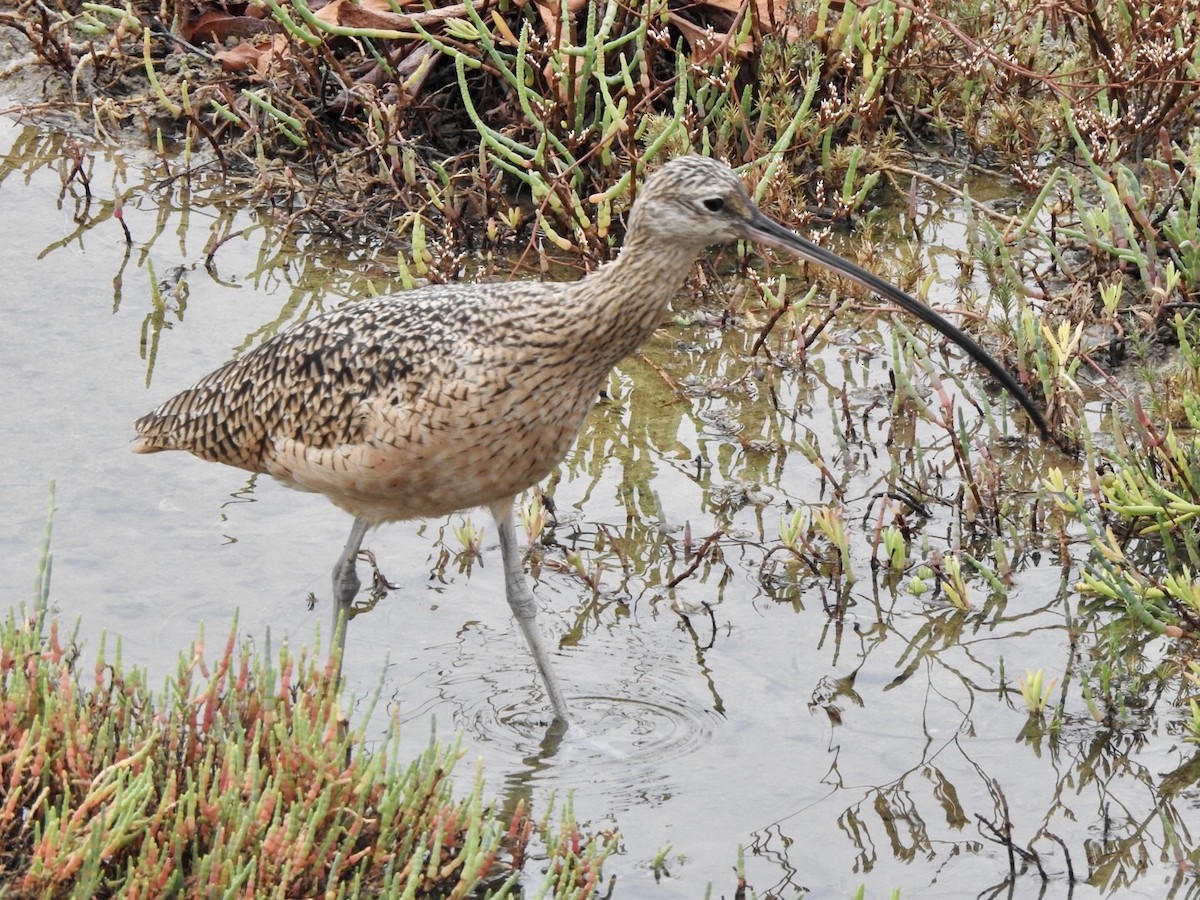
<point x="523" y="604"/>
<point x="346" y="584"/>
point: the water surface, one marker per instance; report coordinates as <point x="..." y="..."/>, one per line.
<point x="844" y="734"/>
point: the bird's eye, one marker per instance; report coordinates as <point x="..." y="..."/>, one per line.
<point x="714" y="204"/>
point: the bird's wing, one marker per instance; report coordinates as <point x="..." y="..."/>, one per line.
<point x="309" y="384"/>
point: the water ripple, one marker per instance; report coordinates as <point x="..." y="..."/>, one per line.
<point x="623" y="744"/>
<point x="615" y="745"/>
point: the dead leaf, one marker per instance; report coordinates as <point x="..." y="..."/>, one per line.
<point x="217" y="26"/>
<point x="239" y="58"/>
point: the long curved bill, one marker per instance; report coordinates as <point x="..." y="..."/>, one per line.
<point x="766" y="230"/>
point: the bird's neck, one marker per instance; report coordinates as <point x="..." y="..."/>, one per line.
<point x="622" y="302"/>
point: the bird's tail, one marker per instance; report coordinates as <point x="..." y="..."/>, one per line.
<point x="155" y="433"/>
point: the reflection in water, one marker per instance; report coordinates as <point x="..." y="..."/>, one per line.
<point x="844" y="732"/>
<point x="101" y="194"/>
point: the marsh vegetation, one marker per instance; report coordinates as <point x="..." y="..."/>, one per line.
<point x="1033" y="169"/>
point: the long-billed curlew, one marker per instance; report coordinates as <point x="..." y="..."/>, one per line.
<point x="455" y="396"/>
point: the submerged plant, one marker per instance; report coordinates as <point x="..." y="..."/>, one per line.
<point x="1192" y="723"/>
<point x="469" y="537"/>
<point x="953" y="583"/>
<point x="534" y="517"/>
<point x="791" y="530"/>
<point x="896" y="547"/>
<point x="1035" y="691"/>
<point x="830" y="521"/>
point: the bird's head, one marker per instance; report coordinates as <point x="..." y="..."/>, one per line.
<point x="694" y="202"/>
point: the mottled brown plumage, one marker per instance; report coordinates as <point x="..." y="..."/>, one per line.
<point x="419" y="405"/>
<point x="450" y="397"/>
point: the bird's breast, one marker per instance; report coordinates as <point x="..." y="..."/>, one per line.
<point x="456" y="444"/>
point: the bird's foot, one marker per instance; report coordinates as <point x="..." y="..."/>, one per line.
<point x="379" y="588"/>
<point x="379" y="583"/>
<point x="365" y="606"/>
<point x="537" y="720"/>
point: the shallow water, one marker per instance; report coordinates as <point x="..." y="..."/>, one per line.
<point x="837" y="749"/>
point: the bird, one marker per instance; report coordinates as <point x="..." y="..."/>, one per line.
<point x="454" y="396"/>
